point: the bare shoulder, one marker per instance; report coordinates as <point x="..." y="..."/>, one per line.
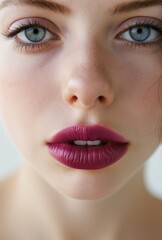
<point x="6" y="189"/>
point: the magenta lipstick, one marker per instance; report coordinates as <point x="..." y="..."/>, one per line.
<point x="87" y="147"/>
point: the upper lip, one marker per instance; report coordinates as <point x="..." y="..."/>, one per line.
<point x="87" y="133"/>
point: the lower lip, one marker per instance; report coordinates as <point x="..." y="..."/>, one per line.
<point x="88" y="158"/>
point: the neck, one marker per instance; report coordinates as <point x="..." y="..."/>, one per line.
<point x="66" y="218"/>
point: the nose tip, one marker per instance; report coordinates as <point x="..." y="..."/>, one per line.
<point x="82" y="95"/>
<point x="88" y="81"/>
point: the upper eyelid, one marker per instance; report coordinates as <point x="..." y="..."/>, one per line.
<point x="39" y="21"/>
<point x="51" y="26"/>
<point x="139" y="20"/>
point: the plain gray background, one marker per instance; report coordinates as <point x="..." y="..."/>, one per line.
<point x="9" y="162"/>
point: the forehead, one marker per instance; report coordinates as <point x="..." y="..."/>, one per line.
<point x="65" y="6"/>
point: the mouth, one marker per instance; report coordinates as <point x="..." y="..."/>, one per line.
<point x="87" y="147"/>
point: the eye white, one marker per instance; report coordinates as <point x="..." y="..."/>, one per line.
<point x="23" y="36"/>
<point x="152" y="36"/>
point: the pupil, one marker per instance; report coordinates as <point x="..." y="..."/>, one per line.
<point x="140" y="33"/>
<point x="35" y="31"/>
<point x="139" y="30"/>
<point x="35" y="34"/>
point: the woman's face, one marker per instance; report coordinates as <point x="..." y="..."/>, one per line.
<point x="54" y="66"/>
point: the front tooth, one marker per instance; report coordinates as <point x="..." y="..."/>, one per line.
<point x="94" y="143"/>
<point x="80" y="143"/>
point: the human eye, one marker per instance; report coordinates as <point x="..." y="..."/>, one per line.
<point x="141" y="32"/>
<point x="33" y="34"/>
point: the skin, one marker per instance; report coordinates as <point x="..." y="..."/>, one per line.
<point x="43" y="92"/>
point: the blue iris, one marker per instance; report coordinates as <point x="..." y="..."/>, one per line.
<point x="140" y="33"/>
<point x="35" y="34"/>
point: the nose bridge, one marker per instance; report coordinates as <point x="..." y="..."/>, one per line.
<point x="87" y="83"/>
<point x="87" y="66"/>
<point x="89" y="61"/>
<point x="89" y="55"/>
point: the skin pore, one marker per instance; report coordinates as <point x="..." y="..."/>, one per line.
<point x="87" y="53"/>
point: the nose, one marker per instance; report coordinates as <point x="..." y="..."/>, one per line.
<point x="88" y="84"/>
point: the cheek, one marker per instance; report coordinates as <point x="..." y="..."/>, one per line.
<point x="138" y="91"/>
<point x="17" y="87"/>
<point x="25" y="92"/>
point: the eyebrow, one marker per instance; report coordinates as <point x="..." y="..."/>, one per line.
<point x="50" y="5"/>
<point x="46" y="4"/>
<point x="134" y="5"/>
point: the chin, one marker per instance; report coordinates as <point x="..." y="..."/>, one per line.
<point x="89" y="190"/>
<point x="85" y="196"/>
<point x="88" y="195"/>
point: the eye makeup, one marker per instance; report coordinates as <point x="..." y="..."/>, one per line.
<point x="19" y="33"/>
<point x="152" y="25"/>
<point x="21" y="29"/>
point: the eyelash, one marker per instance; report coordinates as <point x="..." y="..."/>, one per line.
<point x="32" y="47"/>
<point x="29" y="47"/>
<point x="144" y="22"/>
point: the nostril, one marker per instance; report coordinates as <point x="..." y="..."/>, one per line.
<point x="102" y="99"/>
<point x="73" y="99"/>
